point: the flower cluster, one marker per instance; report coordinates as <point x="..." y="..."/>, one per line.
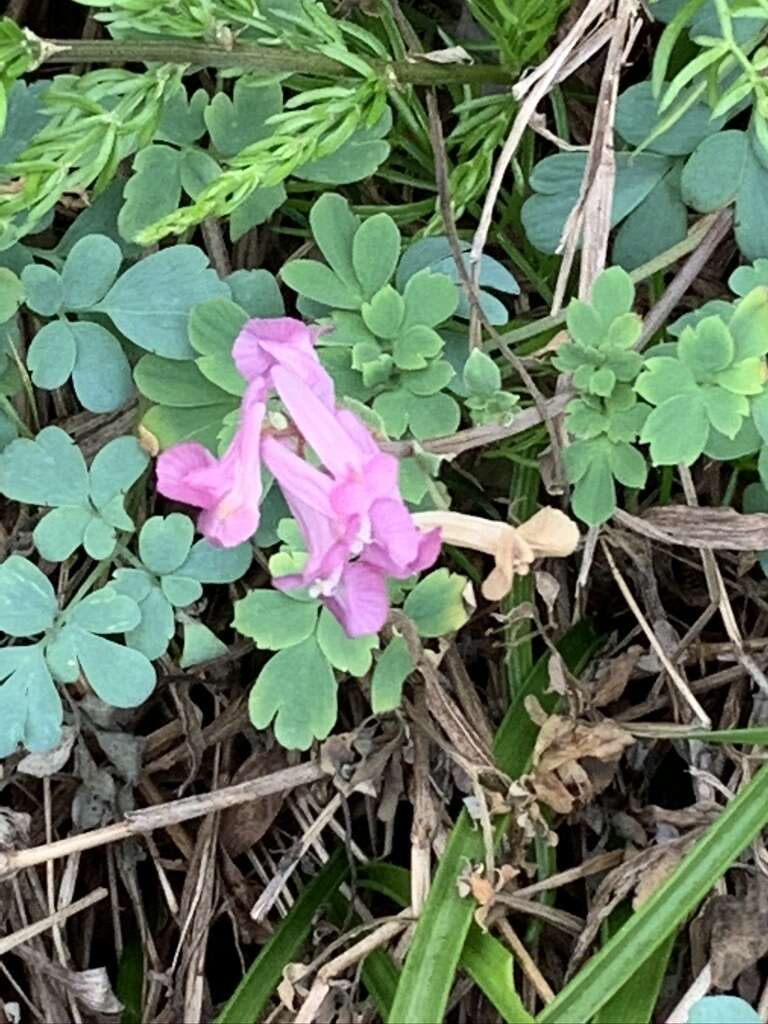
<point x="356" y="527"/>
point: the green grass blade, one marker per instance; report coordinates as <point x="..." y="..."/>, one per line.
<point x="661" y="915"/>
<point x="637" y="997"/>
<point x="130" y="980"/>
<point x="439" y="936"/>
<point x="757" y="735"/>
<point x="247" y="1002"/>
<point x="484" y="958"/>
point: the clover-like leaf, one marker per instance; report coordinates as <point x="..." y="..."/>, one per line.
<point x="153" y="191"/>
<point x="27" y="599"/>
<point x="237" y="123"/>
<point x="165" y="542"/>
<point x="30" y="707"/>
<point x="297" y="689"/>
<point x="48" y="470"/>
<point x="481" y="375"/>
<point x="122" y="677"/>
<point x="392" y="669"/>
<point x="347" y="654"/>
<point x="200" y="645"/>
<point x="436" y="604"/>
<point x="677" y="430"/>
<point x="357" y="158"/>
<point x="90" y="269"/>
<point x="273" y="620"/>
<point x="375" y="253"/>
<point x="313" y="280"/>
<point x="150" y="303"/>
<point x="588" y="463"/>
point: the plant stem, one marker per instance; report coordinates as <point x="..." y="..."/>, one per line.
<point x="265" y="59"/>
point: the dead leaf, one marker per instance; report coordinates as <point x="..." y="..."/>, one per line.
<point x="450" y="55"/>
<point x="657" y="873"/>
<point x="559" y="779"/>
<point x="717" y="529"/>
<point x="739" y="932"/>
<point x="49" y="762"/>
<point x="548" y="589"/>
<point x="557" y="679"/>
<point x="614" y="675"/>
<point x="242" y="827"/>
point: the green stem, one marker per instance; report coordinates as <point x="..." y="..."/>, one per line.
<point x="8" y="408"/>
<point x="265" y="59"/>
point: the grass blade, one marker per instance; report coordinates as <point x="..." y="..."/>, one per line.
<point x="637" y="997"/>
<point x="484" y="958"/>
<point x="247" y="1002"/>
<point x="661" y="915"/>
<point x="439" y="936"/>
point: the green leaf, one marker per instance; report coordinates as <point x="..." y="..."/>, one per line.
<point x="436" y="604"/>
<point x="51" y="356"/>
<point x="102" y="374"/>
<point x="297" y="688"/>
<point x="392" y="669"/>
<point x="165" y="542"/>
<point x="182" y="119"/>
<point x="115" y="469"/>
<point x="749" y="324"/>
<point x="156" y="627"/>
<point x="594" y="494"/>
<point x="61" y="532"/>
<point x="347" y="654"/>
<point x="383" y="315"/>
<point x="359" y="157"/>
<point x="433" y="416"/>
<point x="208" y="564"/>
<point x="393" y="408"/>
<point x="430" y="299"/>
<point x="181" y="590"/>
<point x="237" y="123"/>
<point x="47" y="471"/>
<point x="30" y="707"/>
<point x="89" y="271"/>
<point x="656" y="224"/>
<point x="375" y="252"/>
<point x="256" y="209"/>
<point x="201" y="424"/>
<point x="213" y="329"/>
<point x="637" y="116"/>
<point x="150" y="303"/>
<point x="722" y="1010"/>
<point x="414" y="347"/>
<point x="433" y="378"/>
<point x="481" y="375"/>
<point x="706" y="348"/>
<point x="664" y="378"/>
<point x="315" y="281"/>
<point x="334" y="227"/>
<point x="556" y="182"/>
<point x="613" y="294"/>
<point x="257" y="292"/>
<point x="197" y="170"/>
<point x="121" y="677"/>
<point x="677" y="430"/>
<point x="273" y="620"/>
<point x="43" y="289"/>
<point x="726" y="411"/>
<point x="627" y="465"/>
<point x="744" y="378"/>
<point x="11" y="294"/>
<point x="728" y="151"/>
<point x="27" y="600"/>
<point x="153" y="191"/>
<point x="736" y="826"/>
<point x="200" y="645"/>
<point x="284" y="946"/>
<point x="105" y="611"/>
<point x="99" y="539"/>
<point x="175" y="383"/>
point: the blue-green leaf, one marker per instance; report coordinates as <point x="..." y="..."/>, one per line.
<point x="27" y="599"/>
<point x="30" y="706"/>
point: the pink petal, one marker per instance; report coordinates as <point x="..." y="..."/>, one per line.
<point x="249" y="352"/>
<point x="361" y="601"/>
<point x="176" y="471"/>
<point x="229" y="527"/>
<point x="318" y="425"/>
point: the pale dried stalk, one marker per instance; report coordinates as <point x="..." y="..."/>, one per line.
<point x="526" y="961"/>
<point x="602" y="862"/>
<point x="697" y="991"/>
<point x="52" y="921"/>
<point x="161" y="816"/>
<point x="678" y="681"/>
<point x="534" y="88"/>
<point x="321" y="986"/>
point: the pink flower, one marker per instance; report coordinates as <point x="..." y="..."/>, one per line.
<point x="227" y="489"/>
<point x="352" y="512"/>
<point x="263" y="345"/>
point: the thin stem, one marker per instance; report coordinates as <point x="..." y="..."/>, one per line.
<point x="265" y="59"/>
